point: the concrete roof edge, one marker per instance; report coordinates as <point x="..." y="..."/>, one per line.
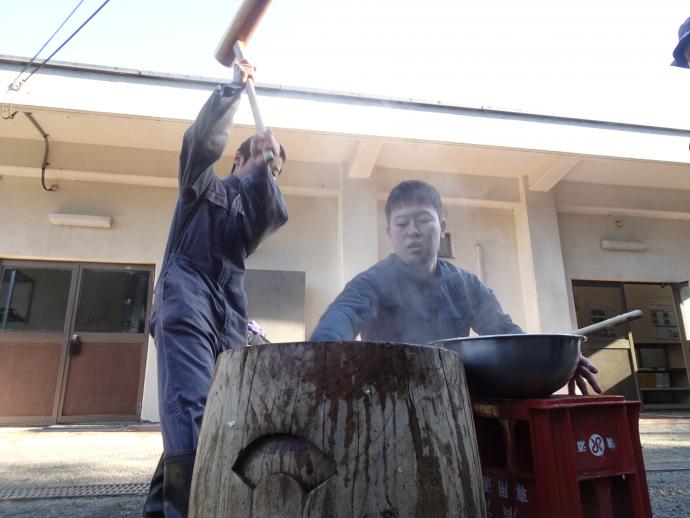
<point x="351" y="97"/>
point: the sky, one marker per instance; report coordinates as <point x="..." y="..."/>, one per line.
<point x="601" y="59"/>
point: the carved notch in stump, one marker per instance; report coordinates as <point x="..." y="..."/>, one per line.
<point x="338" y="430"/>
<point x="286" y="455"/>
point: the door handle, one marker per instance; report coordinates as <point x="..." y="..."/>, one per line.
<point x="74" y="347"/>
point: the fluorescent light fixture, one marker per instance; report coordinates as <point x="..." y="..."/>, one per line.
<point x="80" y="220"/>
<point x="623" y="246"/>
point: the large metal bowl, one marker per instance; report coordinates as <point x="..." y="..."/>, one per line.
<point x="516" y="366"/>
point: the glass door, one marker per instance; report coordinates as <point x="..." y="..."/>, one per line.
<point x="681" y="378"/>
<point x="36" y="302"/>
<point x="609" y="349"/>
<point x="107" y="344"/>
<point x="662" y="372"/>
<point x="73" y="341"/>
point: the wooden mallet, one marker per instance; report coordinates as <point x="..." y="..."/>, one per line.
<point x="231" y="48"/>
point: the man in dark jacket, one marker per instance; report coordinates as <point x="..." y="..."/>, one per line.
<point x="681" y="54"/>
<point x="412" y="296"/>
<point x="199" y="307"/>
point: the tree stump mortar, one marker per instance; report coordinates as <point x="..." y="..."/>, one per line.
<point x="330" y="430"/>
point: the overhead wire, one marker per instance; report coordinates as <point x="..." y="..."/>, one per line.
<point x="31" y="62"/>
<point x="18" y="84"/>
<point x="6" y="112"/>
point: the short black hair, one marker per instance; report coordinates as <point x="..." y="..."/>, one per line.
<point x="413" y="192"/>
<point x="245" y="151"/>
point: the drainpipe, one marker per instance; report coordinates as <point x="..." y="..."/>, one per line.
<point x="46" y="149"/>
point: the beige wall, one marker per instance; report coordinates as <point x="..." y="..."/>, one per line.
<point x="666" y="259"/>
<point x="308" y="243"/>
<point x="494" y="230"/>
<point x="656" y="216"/>
<point x="139" y="216"/>
<point x="141" y="219"/>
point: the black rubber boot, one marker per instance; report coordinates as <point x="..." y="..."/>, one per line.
<point x="177" y="484"/>
<point x="153" y="507"/>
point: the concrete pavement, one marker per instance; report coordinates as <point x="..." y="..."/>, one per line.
<point x="85" y="460"/>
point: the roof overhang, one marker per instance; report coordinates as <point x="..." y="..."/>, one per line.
<point x="132" y="109"/>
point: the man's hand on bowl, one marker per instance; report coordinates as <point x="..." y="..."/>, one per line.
<point x="584" y="375"/>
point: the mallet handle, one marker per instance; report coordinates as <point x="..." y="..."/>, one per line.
<point x="251" y="93"/>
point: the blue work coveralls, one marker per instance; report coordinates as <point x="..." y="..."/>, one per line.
<point x="199" y="307"/>
<point x="388" y="303"/>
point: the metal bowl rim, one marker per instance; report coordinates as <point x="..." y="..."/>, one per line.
<point x="492" y="337"/>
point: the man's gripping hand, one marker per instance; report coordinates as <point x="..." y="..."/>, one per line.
<point x="584" y="375"/>
<point x="242" y="71"/>
<point x="261" y="142"/>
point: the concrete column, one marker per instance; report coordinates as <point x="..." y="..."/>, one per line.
<point x="358" y="225"/>
<point x="544" y="285"/>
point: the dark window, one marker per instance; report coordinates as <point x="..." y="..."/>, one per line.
<point x="112" y="301"/>
<point x="34" y="299"/>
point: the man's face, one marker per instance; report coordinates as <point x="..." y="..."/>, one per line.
<point x="243" y="167"/>
<point x="240" y="169"/>
<point x="687" y="53"/>
<point x="415" y="232"/>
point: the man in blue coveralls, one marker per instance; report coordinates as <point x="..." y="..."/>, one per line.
<point x="412" y="296"/>
<point x="199" y="307"/>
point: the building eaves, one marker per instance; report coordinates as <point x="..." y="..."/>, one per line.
<point x="312" y="94"/>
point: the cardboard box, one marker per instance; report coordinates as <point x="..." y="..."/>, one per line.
<point x="655" y="379"/>
<point x="663" y="379"/>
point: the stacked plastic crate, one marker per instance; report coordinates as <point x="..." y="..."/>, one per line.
<point x="562" y="456"/>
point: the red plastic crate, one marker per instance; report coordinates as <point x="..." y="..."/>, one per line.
<point x="562" y="456"/>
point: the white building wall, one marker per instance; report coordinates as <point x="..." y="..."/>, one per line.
<point x="667" y="258"/>
<point x="308" y="243"/>
<point x="141" y="219"/>
<point x="139" y="214"/>
<point x="544" y="286"/>
<point x="590" y="213"/>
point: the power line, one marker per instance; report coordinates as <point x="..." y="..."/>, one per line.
<point x="16" y="85"/>
<point x="48" y="41"/>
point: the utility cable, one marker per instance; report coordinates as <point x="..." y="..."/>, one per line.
<point x="18" y="85"/>
<point x="46" y="150"/>
<point x="31" y="62"/>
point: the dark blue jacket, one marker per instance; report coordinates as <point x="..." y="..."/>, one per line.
<point x="216" y="225"/>
<point x="388" y="303"/>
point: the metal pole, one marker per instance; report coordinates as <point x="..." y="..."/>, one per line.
<point x="610" y="322"/>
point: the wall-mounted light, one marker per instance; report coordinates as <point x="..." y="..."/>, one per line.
<point x="80" y="220"/>
<point x="623" y="246"/>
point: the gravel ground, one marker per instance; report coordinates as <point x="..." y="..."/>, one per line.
<point x="77" y="456"/>
<point x="669" y="492"/>
<point x="666" y="449"/>
<point x="91" y="507"/>
<point x="35" y="457"/>
<point x="59" y="456"/>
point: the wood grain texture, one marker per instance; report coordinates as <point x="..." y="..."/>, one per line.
<point x="338" y="430"/>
